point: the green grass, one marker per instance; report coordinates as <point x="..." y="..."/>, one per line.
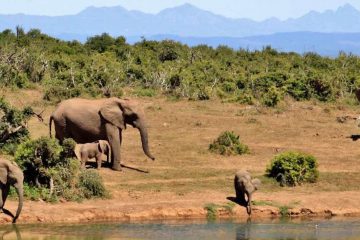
<point x="213" y="208"/>
<point x="341" y="181"/>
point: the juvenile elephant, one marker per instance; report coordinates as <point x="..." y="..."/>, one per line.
<point x="95" y="150"/>
<point x="87" y="121"/>
<point x="244" y="185"/>
<point x="11" y="174"/>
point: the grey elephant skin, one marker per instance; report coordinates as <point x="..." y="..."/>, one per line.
<point x="87" y="121"/>
<point x="11" y="174"/>
<point x="245" y="186"/>
<point x="94" y="150"/>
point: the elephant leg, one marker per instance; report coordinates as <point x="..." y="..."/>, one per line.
<point x="239" y="192"/>
<point x="62" y="132"/>
<point x="59" y="132"/>
<point x="83" y="160"/>
<point x="98" y="161"/>
<point x="114" y="139"/>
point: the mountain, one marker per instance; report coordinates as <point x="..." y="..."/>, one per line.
<point x="326" y="33"/>
<point x="184" y="20"/>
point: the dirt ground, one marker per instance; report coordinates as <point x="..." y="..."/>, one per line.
<point x="186" y="177"/>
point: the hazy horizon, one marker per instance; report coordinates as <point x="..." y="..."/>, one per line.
<point x="256" y="10"/>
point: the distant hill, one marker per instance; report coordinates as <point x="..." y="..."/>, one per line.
<point x="327" y="32"/>
<point x="184" y="20"/>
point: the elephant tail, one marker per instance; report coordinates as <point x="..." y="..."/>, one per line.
<point x="50" y="123"/>
<point x="20" y="192"/>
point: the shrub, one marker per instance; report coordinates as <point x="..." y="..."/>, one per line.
<point x="228" y="143"/>
<point x="91" y="184"/>
<point x="57" y="93"/>
<point x="13" y="126"/>
<point x="298" y="89"/>
<point x="144" y="92"/>
<point x="50" y="171"/>
<point x="272" y="97"/>
<point x="293" y="168"/>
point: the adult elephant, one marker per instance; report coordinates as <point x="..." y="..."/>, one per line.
<point x="11" y="174"/>
<point x="102" y="119"/>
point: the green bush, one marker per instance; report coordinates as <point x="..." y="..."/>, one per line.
<point x="91" y="184"/>
<point x="144" y="92"/>
<point x="293" y="168"/>
<point x="57" y="93"/>
<point x="228" y="143"/>
<point x="272" y="97"/>
<point x="13" y="123"/>
<point x="48" y="164"/>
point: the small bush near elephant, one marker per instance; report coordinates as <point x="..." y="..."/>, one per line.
<point x="91" y="184"/>
<point x="228" y="143"/>
<point x="51" y="171"/>
<point x="293" y="168"/>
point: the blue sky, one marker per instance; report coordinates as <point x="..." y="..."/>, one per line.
<point x="254" y="9"/>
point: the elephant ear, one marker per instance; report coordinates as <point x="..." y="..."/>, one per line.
<point x="100" y="148"/>
<point x="112" y="113"/>
<point x="256" y="182"/>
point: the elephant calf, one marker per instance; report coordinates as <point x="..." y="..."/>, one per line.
<point x="11" y="174"/>
<point x="94" y="150"/>
<point x="244" y="185"/>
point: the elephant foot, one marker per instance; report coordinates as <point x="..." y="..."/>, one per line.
<point x="116" y="167"/>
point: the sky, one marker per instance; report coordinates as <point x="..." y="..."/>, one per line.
<point x="253" y="9"/>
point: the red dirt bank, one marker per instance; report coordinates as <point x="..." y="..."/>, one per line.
<point x="320" y="205"/>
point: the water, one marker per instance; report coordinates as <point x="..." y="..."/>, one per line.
<point x="316" y="229"/>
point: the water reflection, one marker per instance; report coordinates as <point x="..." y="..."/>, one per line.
<point x="324" y="229"/>
<point x="13" y="228"/>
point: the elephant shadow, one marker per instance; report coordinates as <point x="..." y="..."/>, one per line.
<point x="242" y="203"/>
<point x="135" y="169"/>
<point x="354" y="137"/>
<point x="7" y="212"/>
<point x="108" y="165"/>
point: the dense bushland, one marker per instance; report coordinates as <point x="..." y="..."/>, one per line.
<point x="104" y="66"/>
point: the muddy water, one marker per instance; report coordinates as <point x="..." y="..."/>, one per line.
<point x="315" y="229"/>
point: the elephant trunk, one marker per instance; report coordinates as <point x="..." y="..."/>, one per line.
<point x="144" y="140"/>
<point x="20" y="192"/>
<point x="248" y="207"/>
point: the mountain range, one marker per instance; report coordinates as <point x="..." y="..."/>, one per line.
<point x="189" y="24"/>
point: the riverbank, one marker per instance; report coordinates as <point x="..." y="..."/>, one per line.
<point x="321" y="205"/>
